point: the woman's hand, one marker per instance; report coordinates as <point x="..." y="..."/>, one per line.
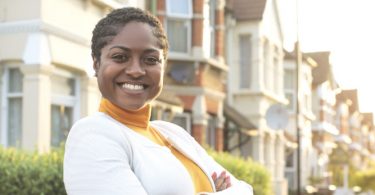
<point x="222" y="182"/>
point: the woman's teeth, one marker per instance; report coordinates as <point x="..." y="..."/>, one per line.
<point x="132" y="86"/>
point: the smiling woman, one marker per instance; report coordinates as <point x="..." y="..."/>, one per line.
<point x="131" y="66"/>
<point x="118" y="150"/>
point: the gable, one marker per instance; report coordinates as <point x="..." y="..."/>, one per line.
<point x="271" y="24"/>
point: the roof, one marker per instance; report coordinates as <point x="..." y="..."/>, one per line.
<point x="291" y="55"/>
<point x="247" y="9"/>
<point x="322" y="72"/>
<point x="352" y="95"/>
<point x="235" y="116"/>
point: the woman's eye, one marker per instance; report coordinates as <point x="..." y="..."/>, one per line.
<point x="120" y="58"/>
<point x="151" y="60"/>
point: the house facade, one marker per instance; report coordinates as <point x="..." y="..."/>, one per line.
<point x="196" y="70"/>
<point x="255" y="56"/>
<point x="324" y="127"/>
<point x="305" y="118"/>
<point x="46" y="74"/>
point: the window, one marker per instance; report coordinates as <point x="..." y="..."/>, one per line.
<point x="12" y="128"/>
<point x="212" y="19"/>
<point x="290" y="160"/>
<point x="245" y="61"/>
<point x="64" y="107"/>
<point x="179" y="14"/>
<point x="183" y="120"/>
<point x="290" y="97"/>
<point x="289" y="79"/>
<point x="266" y="65"/>
<point x="211" y="132"/>
<point x="62" y="120"/>
<point x="276" y="73"/>
<point x="289" y="87"/>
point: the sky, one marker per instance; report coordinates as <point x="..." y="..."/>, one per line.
<point x="346" y="28"/>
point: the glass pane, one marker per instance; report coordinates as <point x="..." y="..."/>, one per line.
<point x="212" y="12"/>
<point x="15" y="80"/>
<point x="180" y="121"/>
<point x="63" y="85"/>
<point x="61" y="122"/>
<point x="179" y="7"/>
<point x="177" y="35"/>
<point x="14" y="122"/>
<point x="245" y="61"/>
<point x="289" y="79"/>
<point x="211" y="132"/>
<point x="290" y="98"/>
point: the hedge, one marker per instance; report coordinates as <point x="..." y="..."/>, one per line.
<point x="246" y="170"/>
<point x="25" y="173"/>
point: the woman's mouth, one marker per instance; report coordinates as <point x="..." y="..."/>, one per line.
<point x="133" y="86"/>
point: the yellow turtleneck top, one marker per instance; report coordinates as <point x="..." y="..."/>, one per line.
<point x="139" y="121"/>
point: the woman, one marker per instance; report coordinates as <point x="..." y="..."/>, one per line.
<point x="117" y="150"/>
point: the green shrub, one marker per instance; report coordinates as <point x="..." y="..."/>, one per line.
<point x="24" y="173"/>
<point x="366" y="179"/>
<point x="246" y="170"/>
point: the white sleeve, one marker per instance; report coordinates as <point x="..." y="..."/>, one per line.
<point x="97" y="163"/>
<point x="238" y="186"/>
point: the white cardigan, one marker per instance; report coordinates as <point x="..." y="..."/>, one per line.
<point x="104" y="157"/>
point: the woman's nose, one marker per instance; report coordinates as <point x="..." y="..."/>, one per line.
<point x="135" y="69"/>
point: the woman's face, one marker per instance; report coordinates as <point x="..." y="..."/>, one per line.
<point x="131" y="67"/>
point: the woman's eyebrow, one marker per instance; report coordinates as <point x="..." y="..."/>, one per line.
<point x="120" y="47"/>
<point x="151" y="50"/>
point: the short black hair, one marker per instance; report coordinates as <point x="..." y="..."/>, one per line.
<point x="110" y="26"/>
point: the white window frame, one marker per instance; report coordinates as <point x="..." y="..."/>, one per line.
<point x="266" y="65"/>
<point x="187" y="18"/>
<point x="5" y="104"/>
<point x="68" y="100"/>
<point x="291" y="91"/>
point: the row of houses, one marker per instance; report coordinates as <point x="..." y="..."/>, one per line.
<point x="226" y="68"/>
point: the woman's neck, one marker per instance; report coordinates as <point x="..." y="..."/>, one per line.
<point x="139" y="118"/>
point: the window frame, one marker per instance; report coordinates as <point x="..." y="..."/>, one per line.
<point x="6" y="95"/>
<point x="71" y="101"/>
<point x="290" y="90"/>
<point x="187" y="19"/>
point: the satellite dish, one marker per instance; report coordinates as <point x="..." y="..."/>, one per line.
<point x="277" y="117"/>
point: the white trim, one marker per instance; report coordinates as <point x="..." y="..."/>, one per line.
<point x="63" y="100"/>
<point x="77" y="105"/>
<point x="192" y="90"/>
<point x="4" y="108"/>
<point x="72" y="101"/>
<point x="36" y="25"/>
<point x="5" y="104"/>
<point x="110" y="3"/>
